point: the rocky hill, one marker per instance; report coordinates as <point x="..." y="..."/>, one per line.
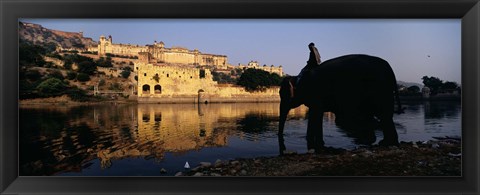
<point x="39" y="35"/>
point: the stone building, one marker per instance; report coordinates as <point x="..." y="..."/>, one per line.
<point x="160" y="54"/>
<point x="181" y="75"/>
<point x="270" y="69"/>
<point x="158" y="82"/>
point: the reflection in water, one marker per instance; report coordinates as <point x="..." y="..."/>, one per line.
<point x="141" y="139"/>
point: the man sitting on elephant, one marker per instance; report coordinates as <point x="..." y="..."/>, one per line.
<point x="313" y="61"/>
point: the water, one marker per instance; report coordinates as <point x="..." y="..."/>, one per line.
<point x="140" y="140"/>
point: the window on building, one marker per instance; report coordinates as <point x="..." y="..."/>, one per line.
<point x="146" y="89"/>
<point x="158" y="89"/>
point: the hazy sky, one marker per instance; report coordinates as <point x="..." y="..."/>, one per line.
<point x="413" y="47"/>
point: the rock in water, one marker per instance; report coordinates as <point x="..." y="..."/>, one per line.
<point x="179" y="174"/>
<point x="205" y="164"/>
<point x="163" y="171"/>
<point x="218" y="163"/>
<point x="198" y="174"/>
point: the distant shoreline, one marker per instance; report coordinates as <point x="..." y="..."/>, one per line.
<point x="432" y="98"/>
<point x="63" y="100"/>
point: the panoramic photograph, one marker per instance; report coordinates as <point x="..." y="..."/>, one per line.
<point x="240" y="97"/>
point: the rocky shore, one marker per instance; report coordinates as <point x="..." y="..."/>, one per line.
<point x="440" y="157"/>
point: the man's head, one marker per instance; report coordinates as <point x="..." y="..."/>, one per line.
<point x="311" y="46"/>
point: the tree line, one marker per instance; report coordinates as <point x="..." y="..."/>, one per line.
<point x="434" y="84"/>
<point x="251" y="79"/>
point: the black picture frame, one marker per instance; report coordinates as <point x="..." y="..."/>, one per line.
<point x="466" y="10"/>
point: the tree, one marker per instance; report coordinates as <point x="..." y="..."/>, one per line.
<point x="87" y="67"/>
<point x="413" y="89"/>
<point x="223" y="78"/>
<point x="33" y="75"/>
<point x="71" y="75"/>
<point x="82" y="77"/>
<point x="255" y="79"/>
<point x="56" y="74"/>
<point x="31" y="55"/>
<point x="77" y="94"/>
<point x="433" y="83"/>
<point x="50" y="47"/>
<point x="104" y="62"/>
<point x="51" y="87"/>
<point x="450" y="86"/>
<point x="127" y="68"/>
<point x="125" y="74"/>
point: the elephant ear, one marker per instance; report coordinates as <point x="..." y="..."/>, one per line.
<point x="288" y="92"/>
<point x="287" y="88"/>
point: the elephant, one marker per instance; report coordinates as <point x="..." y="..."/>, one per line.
<point x="355" y="87"/>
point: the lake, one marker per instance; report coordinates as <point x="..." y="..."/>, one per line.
<point x="143" y="139"/>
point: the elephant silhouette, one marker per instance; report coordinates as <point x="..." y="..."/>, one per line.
<point x="356" y="88"/>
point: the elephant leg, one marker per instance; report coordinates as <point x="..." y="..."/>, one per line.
<point x="281" y="144"/>
<point x="384" y="112"/>
<point x="365" y="131"/>
<point x="390" y="136"/>
<point x="315" y="130"/>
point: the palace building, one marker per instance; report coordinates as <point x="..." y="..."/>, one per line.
<point x="161" y="54"/>
<point x="178" y="73"/>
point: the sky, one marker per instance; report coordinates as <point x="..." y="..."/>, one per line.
<point x="413" y="47"/>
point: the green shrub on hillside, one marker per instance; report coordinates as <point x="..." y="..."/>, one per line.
<point x="125" y="73"/>
<point x="87" y="67"/>
<point x="51" y="87"/>
<point x="33" y="75"/>
<point x="77" y="94"/>
<point x="31" y="55"/>
<point x="56" y="74"/>
<point x="104" y="62"/>
<point x="82" y="77"/>
<point x="71" y="75"/>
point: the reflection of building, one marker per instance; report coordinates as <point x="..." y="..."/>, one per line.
<point x="111" y="133"/>
<point x="426" y="92"/>
<point x="182" y="127"/>
<point x="178" y="130"/>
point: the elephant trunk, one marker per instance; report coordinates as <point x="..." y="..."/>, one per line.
<point x="284" y="109"/>
<point x="286" y="95"/>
